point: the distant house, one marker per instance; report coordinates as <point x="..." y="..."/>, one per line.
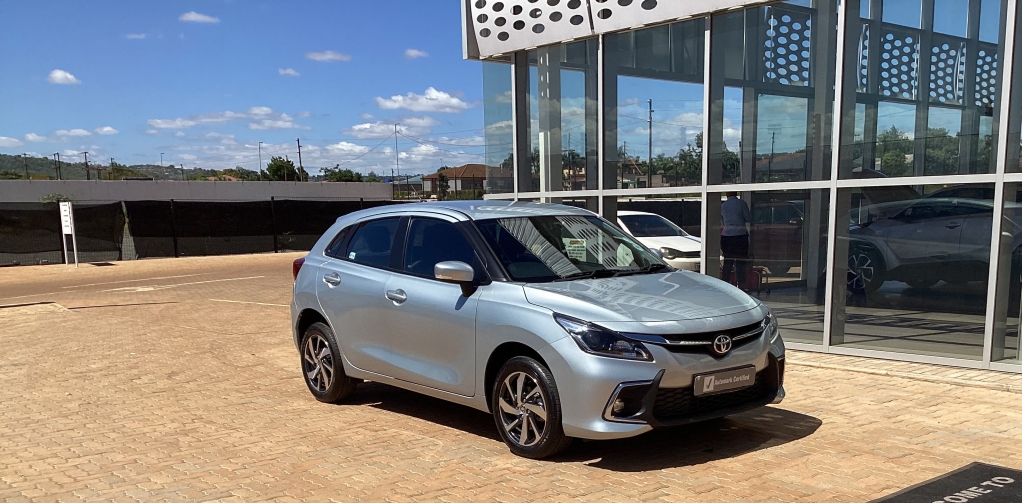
<point x="467" y="177"/>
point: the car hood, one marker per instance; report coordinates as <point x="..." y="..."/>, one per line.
<point x="680" y="243"/>
<point x="646" y="299"/>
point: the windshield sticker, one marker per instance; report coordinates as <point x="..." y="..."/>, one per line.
<point x="351" y="256"/>
<point x="624" y="256"/>
<point x="575" y="248"/>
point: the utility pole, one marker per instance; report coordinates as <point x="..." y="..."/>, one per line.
<point x="59" y="174"/>
<point x="397" y="154"/>
<point x="87" y="177"/>
<point x="300" y="167"/>
<point x="182" y="172"/>
<point x="25" y="157"/>
<point x="649" y="168"/>
<point x="288" y="159"/>
<point x="260" y="161"/>
<point x="161" y="160"/>
<point x="770" y="165"/>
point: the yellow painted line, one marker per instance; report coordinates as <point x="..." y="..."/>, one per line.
<point x="244" y="302"/>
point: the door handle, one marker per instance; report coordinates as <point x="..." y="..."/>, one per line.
<point x="398" y="296"/>
<point x="332" y="279"/>
<point x="953" y="225"/>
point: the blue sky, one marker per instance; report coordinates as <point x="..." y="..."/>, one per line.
<point x="205" y="81"/>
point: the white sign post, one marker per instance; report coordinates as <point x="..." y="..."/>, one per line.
<point x="67" y="226"/>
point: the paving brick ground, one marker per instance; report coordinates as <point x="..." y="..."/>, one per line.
<point x="176" y="380"/>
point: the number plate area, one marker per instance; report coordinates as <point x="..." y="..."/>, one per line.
<point x="722" y="382"/>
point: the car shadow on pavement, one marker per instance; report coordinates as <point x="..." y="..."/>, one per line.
<point x="659" y="449"/>
<point x="697" y="443"/>
<point x="427" y="408"/>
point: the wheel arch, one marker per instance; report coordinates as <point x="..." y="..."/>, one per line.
<point x="306" y="318"/>
<point x="500" y="355"/>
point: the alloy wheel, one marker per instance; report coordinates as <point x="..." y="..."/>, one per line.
<point x="861" y="271"/>
<point x="523" y="412"/>
<point x="318" y="363"/>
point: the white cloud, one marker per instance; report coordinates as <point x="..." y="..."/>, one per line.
<point x="265" y="124"/>
<point x="135" y="36"/>
<point x="187" y="157"/>
<point x="195" y="17"/>
<point x="179" y="134"/>
<point x="303" y="114"/>
<point x="431" y="101"/>
<point x="171" y="123"/>
<point x="327" y="56"/>
<point x="9" y="142"/>
<point x="260" y="111"/>
<point x="32" y="137"/>
<point x="288" y="72"/>
<point x="152" y="131"/>
<point x="412" y="126"/>
<point x="106" y="130"/>
<point x="415" y="53"/>
<point x="365" y="116"/>
<point x="73" y="132"/>
<point x="62" y="77"/>
<point x="347" y="148"/>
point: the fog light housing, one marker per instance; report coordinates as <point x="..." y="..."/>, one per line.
<point x="628" y="402"/>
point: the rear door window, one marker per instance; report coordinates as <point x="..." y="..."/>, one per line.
<point x="373" y="243"/>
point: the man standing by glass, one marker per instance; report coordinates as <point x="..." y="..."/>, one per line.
<point x="735" y="217"/>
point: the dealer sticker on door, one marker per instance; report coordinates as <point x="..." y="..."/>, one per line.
<point x="728" y="380"/>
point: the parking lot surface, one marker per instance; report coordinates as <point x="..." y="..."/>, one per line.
<point x="177" y="380"/>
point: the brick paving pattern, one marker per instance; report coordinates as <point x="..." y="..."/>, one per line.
<point x="176" y="380"/>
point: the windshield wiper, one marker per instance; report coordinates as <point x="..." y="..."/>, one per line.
<point x="645" y="270"/>
<point x="597" y="273"/>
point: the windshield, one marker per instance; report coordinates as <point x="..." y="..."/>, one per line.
<point x="550" y="248"/>
<point x="651" y="226"/>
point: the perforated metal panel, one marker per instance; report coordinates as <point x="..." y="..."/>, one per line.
<point x="787" y="40"/>
<point x="987" y="75"/>
<point x="947" y="71"/>
<point x="504" y="26"/>
<point x="862" y="62"/>
<point x="899" y="64"/>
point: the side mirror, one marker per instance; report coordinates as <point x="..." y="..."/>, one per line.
<point x="795" y="221"/>
<point x="454" y="272"/>
<point x="657" y="252"/>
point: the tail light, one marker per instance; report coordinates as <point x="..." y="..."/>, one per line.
<point x="296" y="266"/>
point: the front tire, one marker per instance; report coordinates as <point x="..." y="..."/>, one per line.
<point x="322" y="367"/>
<point x="527" y="409"/>
<point x="866" y="269"/>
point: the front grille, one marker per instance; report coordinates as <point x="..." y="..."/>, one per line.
<point x="680" y="403"/>
<point x="692" y="254"/>
<point x="708" y="337"/>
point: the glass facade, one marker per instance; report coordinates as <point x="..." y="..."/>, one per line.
<point x="879" y="159"/>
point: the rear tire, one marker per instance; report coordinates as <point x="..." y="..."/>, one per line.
<point x="866" y="269"/>
<point x="527" y="409"/>
<point x="322" y="367"/>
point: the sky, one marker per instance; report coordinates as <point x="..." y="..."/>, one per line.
<point x="203" y="82"/>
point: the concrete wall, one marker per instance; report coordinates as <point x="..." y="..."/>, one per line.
<point x="130" y="190"/>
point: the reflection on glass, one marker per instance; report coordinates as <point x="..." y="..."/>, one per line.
<point x="903" y="12"/>
<point x="990" y="20"/>
<point x="895" y="138"/>
<point x="951" y="17"/>
<point x="781" y="139"/>
<point x="916" y="270"/>
<point x="786" y="257"/>
<point x="669" y="224"/>
<point x="1007" y="335"/>
<point x="942" y="141"/>
<point x="497" y="130"/>
<point x="776" y="64"/>
<point x="653" y="94"/>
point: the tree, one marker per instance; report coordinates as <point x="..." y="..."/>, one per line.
<point x="281" y="169"/>
<point x="10" y="175"/>
<point x="239" y="173"/>
<point x="443" y="185"/>
<point x="893" y="147"/>
<point x="372" y="177"/>
<point x="335" y="174"/>
<point x="119" y="171"/>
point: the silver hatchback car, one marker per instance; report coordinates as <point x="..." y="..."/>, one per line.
<point x="549" y="317"/>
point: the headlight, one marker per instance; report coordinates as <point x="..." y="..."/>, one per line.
<point x="597" y="340"/>
<point x="670" y="253"/>
<point x="770" y="323"/>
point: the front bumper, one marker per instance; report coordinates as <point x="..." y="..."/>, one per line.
<point x="645" y="402"/>
<point x="684" y="264"/>
<point x="587" y="385"/>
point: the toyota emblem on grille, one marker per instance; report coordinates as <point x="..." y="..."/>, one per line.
<point x="722" y="345"/>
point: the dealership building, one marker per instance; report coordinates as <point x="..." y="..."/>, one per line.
<point x="876" y="142"/>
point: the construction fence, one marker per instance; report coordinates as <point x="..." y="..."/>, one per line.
<point x="30" y="233"/>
